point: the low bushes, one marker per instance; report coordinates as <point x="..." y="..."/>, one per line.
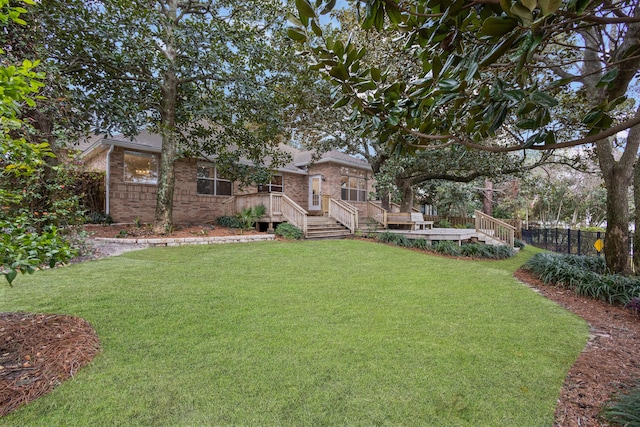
<point x="447" y="247"/>
<point x="289" y="231"/>
<point x="228" y="221"/>
<point x="624" y="408"/>
<point x="587" y="276"/>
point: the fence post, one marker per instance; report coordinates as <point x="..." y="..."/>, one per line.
<point x="569" y="241"/>
<point x="579" y="243"/>
<point x="556" y="240"/>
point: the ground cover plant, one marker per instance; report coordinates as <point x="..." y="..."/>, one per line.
<point x="291" y="333"/>
<point x="624" y="408"/>
<point x="586" y="276"/>
<point x="447" y="247"/>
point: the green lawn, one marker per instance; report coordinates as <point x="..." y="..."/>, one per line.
<point x="307" y="333"/>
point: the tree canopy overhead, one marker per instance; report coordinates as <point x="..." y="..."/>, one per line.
<point x="484" y="65"/>
<point x="207" y="75"/>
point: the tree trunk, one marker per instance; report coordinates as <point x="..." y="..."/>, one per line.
<point x="404" y="185"/>
<point x="487" y="200"/>
<point x="166" y="174"/>
<point x="169" y="98"/>
<point x="617" y="179"/>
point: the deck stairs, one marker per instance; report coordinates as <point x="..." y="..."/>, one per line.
<point x="323" y="227"/>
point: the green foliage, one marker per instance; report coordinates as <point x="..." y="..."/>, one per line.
<point x="393" y="239"/>
<point x="249" y="216"/>
<point x="587" y="276"/>
<point x="98" y="218"/>
<point x="23" y="249"/>
<point x="289" y="231"/>
<point x="444" y="223"/>
<point x="624" y="408"/>
<point x="447" y="247"/>
<point x="421" y="244"/>
<point x="228" y="221"/>
<point x="519" y="243"/>
<point x="34" y="202"/>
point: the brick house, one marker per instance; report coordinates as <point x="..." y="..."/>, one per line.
<point x="334" y="181"/>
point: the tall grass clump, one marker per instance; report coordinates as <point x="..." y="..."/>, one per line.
<point x="624" y="408"/>
<point x="394" y="239"/>
<point x="586" y="276"/>
<point x="447" y="247"/>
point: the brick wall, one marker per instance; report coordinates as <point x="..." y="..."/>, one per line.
<point x="130" y="201"/>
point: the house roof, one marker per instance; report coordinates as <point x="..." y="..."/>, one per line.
<point x="146" y="141"/>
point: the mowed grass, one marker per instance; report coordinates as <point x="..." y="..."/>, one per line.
<point x="303" y="334"/>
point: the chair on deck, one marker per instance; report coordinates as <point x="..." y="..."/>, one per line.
<point x="418" y="221"/>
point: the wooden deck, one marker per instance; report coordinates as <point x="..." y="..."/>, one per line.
<point x="458" y="235"/>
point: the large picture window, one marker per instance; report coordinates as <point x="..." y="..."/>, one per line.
<point x="211" y="182"/>
<point x="353" y="183"/>
<point x="140" y="168"/>
<point x="275" y="186"/>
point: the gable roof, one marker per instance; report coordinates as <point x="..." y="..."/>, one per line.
<point x="151" y="142"/>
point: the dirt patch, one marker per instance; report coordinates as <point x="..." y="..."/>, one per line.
<point x="610" y="362"/>
<point x="38" y="352"/>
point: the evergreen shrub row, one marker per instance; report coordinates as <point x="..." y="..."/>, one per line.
<point x="447" y="247"/>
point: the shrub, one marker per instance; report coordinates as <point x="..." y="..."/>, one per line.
<point x="447" y="247"/>
<point x="624" y="408"/>
<point x="249" y="216"/>
<point x="228" y="221"/>
<point x="421" y="244"/>
<point x="587" y="276"/>
<point x="444" y="223"/>
<point x="519" y="243"/>
<point x="289" y="231"/>
<point x="99" y="218"/>
<point x="394" y="239"/>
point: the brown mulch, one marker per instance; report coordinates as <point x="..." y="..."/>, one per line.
<point x="38" y="352"/>
<point x="610" y="361"/>
<point x="145" y="231"/>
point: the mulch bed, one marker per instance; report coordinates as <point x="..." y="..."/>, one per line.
<point x="38" y="352"/>
<point x="610" y="362"/>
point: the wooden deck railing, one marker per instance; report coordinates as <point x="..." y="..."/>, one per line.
<point x="344" y="213"/>
<point x="495" y="228"/>
<point x="377" y="212"/>
<point x="293" y="213"/>
<point x="278" y="205"/>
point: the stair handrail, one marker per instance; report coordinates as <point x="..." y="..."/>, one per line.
<point x="228" y="210"/>
<point x="294" y="213"/>
<point x="377" y="212"/>
<point x="493" y="227"/>
<point x="344" y="213"/>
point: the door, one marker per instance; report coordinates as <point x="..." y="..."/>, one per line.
<point x="315" y="192"/>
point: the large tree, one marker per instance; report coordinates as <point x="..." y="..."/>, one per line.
<point x="206" y="75"/>
<point x="489" y="65"/>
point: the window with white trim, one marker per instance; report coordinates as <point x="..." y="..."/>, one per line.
<point x="353" y="184"/>
<point x="212" y="182"/>
<point x="140" y="168"/>
<point x="275" y="186"/>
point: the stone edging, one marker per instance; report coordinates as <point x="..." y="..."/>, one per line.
<point x="181" y="241"/>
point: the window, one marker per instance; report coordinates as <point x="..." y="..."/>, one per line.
<point x="211" y="182"/>
<point x="275" y="186"/>
<point x="140" y="168"/>
<point x="353" y="183"/>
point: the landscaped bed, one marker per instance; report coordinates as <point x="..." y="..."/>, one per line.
<point x="336" y="333"/>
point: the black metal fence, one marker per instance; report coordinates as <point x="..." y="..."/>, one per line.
<point x="566" y="240"/>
